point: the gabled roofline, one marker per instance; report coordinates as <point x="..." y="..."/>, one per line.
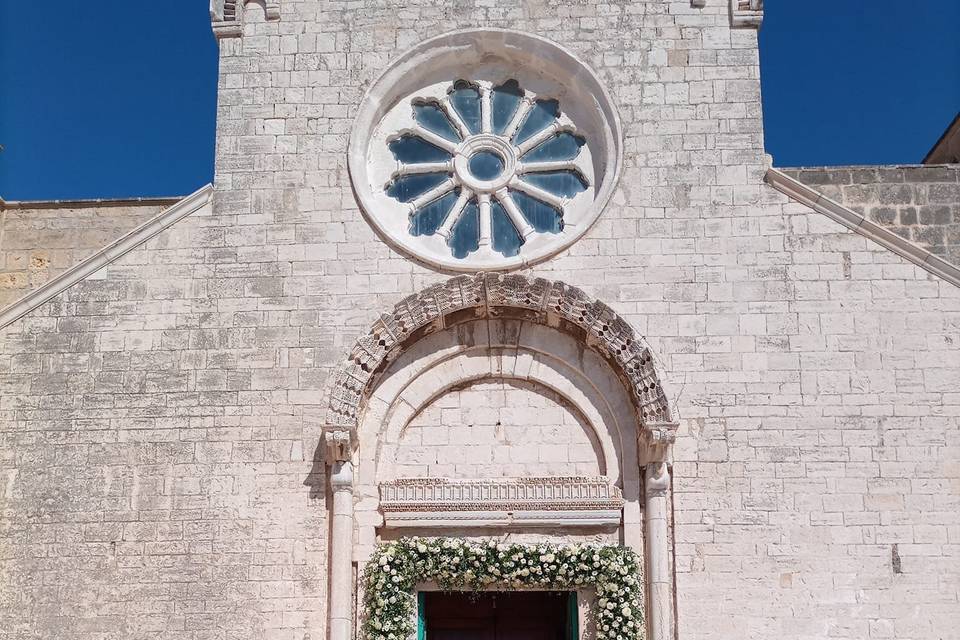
<point x="952" y="130"/>
<point x="865" y="227"/>
<point x="105" y="256"/>
<point x="88" y="203"/>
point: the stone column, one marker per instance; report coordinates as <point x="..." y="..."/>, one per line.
<point x="340" y="592"/>
<point x="660" y="613"/>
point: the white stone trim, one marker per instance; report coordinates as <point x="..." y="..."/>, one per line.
<point x="534" y="62"/>
<point x="113" y="251"/>
<point x="865" y="227"/>
<point x="530" y="502"/>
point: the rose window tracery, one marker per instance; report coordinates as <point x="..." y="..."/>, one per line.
<point x="486" y="165"/>
<point x="484" y="150"/>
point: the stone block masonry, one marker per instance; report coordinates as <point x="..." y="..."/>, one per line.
<point x="160" y="474"/>
<point x="920" y="203"/>
<point x="40" y="240"/>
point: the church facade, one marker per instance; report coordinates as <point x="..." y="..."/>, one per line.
<point x="497" y="321"/>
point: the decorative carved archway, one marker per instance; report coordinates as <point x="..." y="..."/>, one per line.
<point x="500" y="299"/>
<point x="500" y="296"/>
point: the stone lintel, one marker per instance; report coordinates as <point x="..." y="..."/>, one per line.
<point x="572" y="501"/>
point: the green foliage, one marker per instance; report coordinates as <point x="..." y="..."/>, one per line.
<point x="456" y="564"/>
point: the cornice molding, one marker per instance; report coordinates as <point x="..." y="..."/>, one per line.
<point x="865" y="227"/>
<point x="113" y="251"/>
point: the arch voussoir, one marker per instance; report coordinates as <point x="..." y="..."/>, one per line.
<point x="496" y="296"/>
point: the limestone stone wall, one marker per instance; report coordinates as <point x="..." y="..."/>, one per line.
<point x="161" y="476"/>
<point x="498" y="429"/>
<point x="920" y="203"/>
<point x="39" y="241"/>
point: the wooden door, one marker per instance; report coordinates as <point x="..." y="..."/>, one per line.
<point x="502" y="615"/>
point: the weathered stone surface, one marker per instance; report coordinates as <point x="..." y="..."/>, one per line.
<point x="920" y="203"/>
<point x="161" y="474"/>
<point x="39" y="241"/>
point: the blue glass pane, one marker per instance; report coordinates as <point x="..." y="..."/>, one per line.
<point x="465" y="235"/>
<point x="486" y="165"/>
<point x="540" y="215"/>
<point x="432" y="118"/>
<point x="428" y="218"/>
<point x="563" y="146"/>
<point x="506" y="240"/>
<point x="559" y="183"/>
<point x="407" y="188"/>
<point x="466" y="100"/>
<point x="504" y="101"/>
<point x="542" y="114"/>
<point x="413" y="150"/>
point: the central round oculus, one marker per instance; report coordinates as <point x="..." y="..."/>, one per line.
<point x="486" y="165"/>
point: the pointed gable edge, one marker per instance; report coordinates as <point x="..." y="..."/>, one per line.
<point x="113" y="251"/>
<point x="812" y="198"/>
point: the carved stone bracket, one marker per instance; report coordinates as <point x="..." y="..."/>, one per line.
<point x="660" y="434"/>
<point x="746" y="13"/>
<point x="226" y="16"/>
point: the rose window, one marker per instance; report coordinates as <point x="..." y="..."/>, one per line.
<point x="484" y="150"/>
<point x="486" y="166"/>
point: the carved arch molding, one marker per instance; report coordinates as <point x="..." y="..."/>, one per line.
<point x="504" y="297"/>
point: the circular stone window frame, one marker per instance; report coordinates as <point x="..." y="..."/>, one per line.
<point x="538" y="64"/>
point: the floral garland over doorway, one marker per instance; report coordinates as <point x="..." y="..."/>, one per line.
<point x="455" y="564"/>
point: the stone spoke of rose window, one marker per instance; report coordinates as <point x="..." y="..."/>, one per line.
<point x="429" y="196"/>
<point x="453" y="216"/>
<point x="425" y="167"/>
<point x="557" y="202"/>
<point x="513" y="212"/>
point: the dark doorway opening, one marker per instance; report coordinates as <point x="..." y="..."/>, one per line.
<point x="498" y="615"/>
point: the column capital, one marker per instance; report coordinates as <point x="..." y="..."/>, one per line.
<point x="339" y="444"/>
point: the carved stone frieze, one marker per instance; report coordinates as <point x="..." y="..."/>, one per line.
<point x="746" y="13"/>
<point x="465" y="298"/>
<point x="554" y="501"/>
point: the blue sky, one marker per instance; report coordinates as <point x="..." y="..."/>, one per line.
<point x="115" y="98"/>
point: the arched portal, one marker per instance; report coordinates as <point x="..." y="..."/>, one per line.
<point x="545" y="338"/>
